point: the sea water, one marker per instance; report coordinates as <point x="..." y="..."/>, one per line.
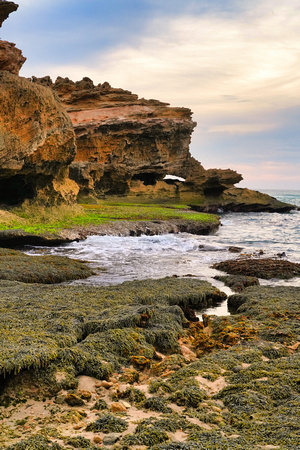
<point x="116" y="259"/>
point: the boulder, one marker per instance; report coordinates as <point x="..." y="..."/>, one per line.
<point x="37" y="144"/>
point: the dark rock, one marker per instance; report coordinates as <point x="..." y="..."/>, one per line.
<point x="5" y="9"/>
<point x="261" y="268"/>
<point x="74" y="400"/>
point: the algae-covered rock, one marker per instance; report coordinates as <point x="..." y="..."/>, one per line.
<point x="17" y="266"/>
<point x="92" y="329"/>
<point x="37" y="442"/>
<point x="237" y="282"/>
<point x="108" y="423"/>
<point x="262" y="268"/>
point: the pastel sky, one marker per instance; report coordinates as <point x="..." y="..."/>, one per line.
<point x="235" y="63"/>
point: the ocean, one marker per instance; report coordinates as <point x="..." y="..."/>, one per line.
<point x="116" y="259"/>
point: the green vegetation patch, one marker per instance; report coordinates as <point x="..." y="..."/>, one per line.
<point x="33" y="218"/>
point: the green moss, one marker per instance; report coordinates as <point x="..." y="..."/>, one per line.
<point x="34" y="219"/>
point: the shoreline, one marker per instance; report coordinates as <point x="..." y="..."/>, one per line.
<point x="19" y="238"/>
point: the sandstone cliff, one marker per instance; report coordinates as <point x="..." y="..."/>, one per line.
<point x="127" y="145"/>
<point x="37" y="141"/>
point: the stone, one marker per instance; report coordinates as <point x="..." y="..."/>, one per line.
<point x="11" y="58"/>
<point x="37" y="144"/>
<point x="106" y="384"/>
<point x="111" y="438"/>
<point x="5" y="9"/>
<point x="74" y="400"/>
<point x="118" y="407"/>
<point x="86" y="395"/>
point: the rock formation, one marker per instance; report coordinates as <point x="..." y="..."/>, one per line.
<point x="11" y="58"/>
<point x="126" y="146"/>
<point x="37" y="141"/>
<point x="5" y="9"/>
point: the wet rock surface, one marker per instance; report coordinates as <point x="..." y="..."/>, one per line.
<point x="240" y="391"/>
<point x="16" y="266"/>
<point x="266" y="268"/>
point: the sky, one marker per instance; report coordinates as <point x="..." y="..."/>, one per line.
<point x="234" y="63"/>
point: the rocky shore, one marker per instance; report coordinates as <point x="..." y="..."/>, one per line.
<point x="130" y="367"/>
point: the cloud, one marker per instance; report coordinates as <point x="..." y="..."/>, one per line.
<point x="268" y="175"/>
<point x="236" y="67"/>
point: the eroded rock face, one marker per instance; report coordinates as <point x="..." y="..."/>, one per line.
<point x="126" y="145"/>
<point x="5" y="9"/>
<point x="37" y="143"/>
<point x="121" y="138"/>
<point x="11" y="58"/>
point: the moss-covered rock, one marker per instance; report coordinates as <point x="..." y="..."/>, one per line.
<point x="261" y="268"/>
<point x="108" y="423"/>
<point x="17" y="266"/>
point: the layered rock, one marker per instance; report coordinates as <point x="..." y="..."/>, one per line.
<point x="127" y="145"/>
<point x="123" y="139"/>
<point x="37" y="143"/>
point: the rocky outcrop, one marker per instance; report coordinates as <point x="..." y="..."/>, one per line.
<point x="241" y="200"/>
<point x="37" y="143"/>
<point x="11" y="58"/>
<point x="123" y="139"/>
<point x="127" y="145"/>
<point x="5" y="9"/>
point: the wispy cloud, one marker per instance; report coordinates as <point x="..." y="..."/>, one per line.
<point x="237" y="68"/>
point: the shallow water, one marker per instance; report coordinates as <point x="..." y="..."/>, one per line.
<point x="116" y="259"/>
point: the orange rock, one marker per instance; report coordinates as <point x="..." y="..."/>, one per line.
<point x="118" y="407"/>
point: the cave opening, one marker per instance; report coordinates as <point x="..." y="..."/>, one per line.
<point x="15" y="190"/>
<point x="149" y="179"/>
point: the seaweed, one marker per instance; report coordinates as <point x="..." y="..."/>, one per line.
<point x="156" y="404"/>
<point x="188" y="396"/>
<point x="133" y="395"/>
<point x="108" y="423"/>
<point x="17" y="266"/>
<point x="81" y="442"/>
<point x="82" y="327"/>
<point x="37" y="442"/>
